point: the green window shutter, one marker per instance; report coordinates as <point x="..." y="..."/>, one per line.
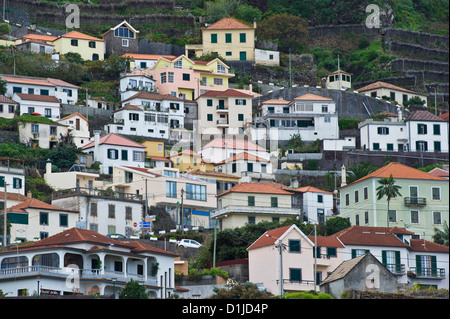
<point x="353" y="253"/>
<point x="209" y="117"/>
<point x="433" y="266"/>
<point x="418" y="265"/>
<point x="209" y="102"/>
<point x="383" y="257"/>
<point x="2" y="181"/>
<point x="242" y="37"/>
<point x="227" y="37"/>
<point x="397" y="261"/>
<point x="125" y="155"/>
<point x="240" y="117"/>
<point x="213" y="37"/>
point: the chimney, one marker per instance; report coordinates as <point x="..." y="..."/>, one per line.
<point x="29" y="195"/>
<point x="343" y="176"/>
<point x="202" y="166"/>
<point x="254" y="23"/>
<point x="399" y="112"/>
<point x="96" y="145"/>
<point x="48" y="167"/>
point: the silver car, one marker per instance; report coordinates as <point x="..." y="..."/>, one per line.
<point x="188" y="243"/>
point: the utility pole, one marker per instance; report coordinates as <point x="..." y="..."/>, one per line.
<point x="290" y="69"/>
<point x="315" y="256"/>
<point x="181" y="211"/>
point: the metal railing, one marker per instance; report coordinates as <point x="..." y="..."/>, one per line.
<point x="429" y="273"/>
<point x="106" y="193"/>
<point x="415" y="201"/>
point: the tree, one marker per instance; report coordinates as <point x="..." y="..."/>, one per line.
<point x="288" y="30"/>
<point x="2" y="87"/>
<point x="247" y="290"/>
<point x="441" y="236"/>
<point x="359" y="171"/>
<point x="133" y="290"/>
<point x="336" y="224"/>
<point x="389" y="189"/>
<point x="414" y="101"/>
<point x="248" y="13"/>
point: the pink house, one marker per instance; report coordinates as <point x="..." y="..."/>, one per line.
<point x="297" y="259"/>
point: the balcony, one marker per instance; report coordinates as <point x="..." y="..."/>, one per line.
<point x="255" y="210"/>
<point x="107" y="193"/>
<point x="222" y="109"/>
<point x="222" y="123"/>
<point x="415" y="201"/>
<point x="96" y="274"/>
<point x="426" y="273"/>
<point x="396" y="269"/>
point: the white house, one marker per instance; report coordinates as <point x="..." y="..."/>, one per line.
<point x="79" y="261"/>
<point x="12" y="176"/>
<point x="36" y="46"/>
<point x="8" y="107"/>
<point x="34" y="219"/>
<point x="64" y="92"/>
<point x="420" y="131"/>
<point x="45" y="135"/>
<point x="408" y="258"/>
<point x="316" y="204"/>
<point x="391" y="92"/>
<point x="339" y="80"/>
<point x="43" y="105"/>
<point x="113" y="149"/>
<point x="104" y="211"/>
<point x="246" y="166"/>
<point x="78" y="128"/>
<point x="427" y="132"/>
<point x="220" y="149"/>
<point x="75" y="177"/>
<point x="144" y="61"/>
<point x="132" y="83"/>
<point x="148" y="114"/>
<point x="311" y="116"/>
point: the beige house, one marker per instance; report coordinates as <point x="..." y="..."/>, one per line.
<point x="251" y="203"/>
<point x="392" y="92"/>
<point x="76" y="177"/>
<point x="297" y="260"/>
<point x="90" y="48"/>
<point x="231" y="39"/>
<point x="188" y="200"/>
<point x="339" y="80"/>
<point x="43" y="135"/>
<point x="224" y="112"/>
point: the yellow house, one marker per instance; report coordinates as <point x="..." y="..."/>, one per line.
<point x="89" y="47"/>
<point x="188" y="160"/>
<point x="186" y="78"/>
<point x="231" y="39"/>
<point x="154" y="148"/>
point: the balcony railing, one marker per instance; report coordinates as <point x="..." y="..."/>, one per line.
<point x="222" y="122"/>
<point x="396" y="269"/>
<point x="415" y="201"/>
<point x="427" y="273"/>
<point x="107" y="193"/>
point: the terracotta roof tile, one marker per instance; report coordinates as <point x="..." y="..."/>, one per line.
<point x="26" y="80"/>
<point x="140" y="56"/>
<point x="151" y="96"/>
<point x="445" y="116"/>
<point x="243" y="156"/>
<point x="327" y="241"/>
<point x="226" y="93"/>
<point x="39" y="98"/>
<point x="400" y="171"/>
<point x="372" y="236"/>
<point x="427" y="246"/>
<point x="311" y="189"/>
<point x="380" y="84"/>
<point x="269" y="237"/>
<point x="213" y="174"/>
<point x="424" y="116"/>
<point x="79" y="35"/>
<point x="4" y="99"/>
<point x="228" y="23"/>
<point x="35" y="203"/>
<point x="42" y="37"/>
<point x="312" y="97"/>
<point x="114" y="139"/>
<point x="72" y="115"/>
<point x="276" y="101"/>
<point x="259" y="188"/>
<point x="186" y="152"/>
<point x="13" y="197"/>
<point x="439" y="172"/>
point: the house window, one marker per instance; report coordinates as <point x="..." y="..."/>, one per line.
<point x="366" y="193"/>
<point x="251" y="201"/>
<point x="356" y="196"/>
<point x="74" y="42"/>
<point x="392" y="96"/>
<point x="320" y="198"/>
<point x="220" y="68"/>
<point x="437" y="146"/>
<point x="249" y="167"/>
<point x="294" y="246"/>
<point x="392" y="216"/>
<point x="240" y="102"/>
<point x="128" y="213"/>
<point x="227" y="37"/>
<point x="243" y="56"/>
<point x="111" y="211"/>
<point x="94" y="209"/>
<point x="63" y="220"/>
<point x="196" y="192"/>
<point x="44" y="92"/>
<point x="436" y="192"/>
<point x="178" y="64"/>
<point x="133" y="117"/>
<point x="295" y="274"/>
<point x="171" y="189"/>
<point x="17" y="183"/>
<point x="436" y="129"/>
<point x="124" y="155"/>
<point x="123" y="32"/>
<point x="213" y="37"/>
<point x="251" y="220"/>
<point x="228" y="53"/>
<point x="218" y="81"/>
<point x="347" y="199"/>
<point x="163" y="77"/>
<point x="414" y="216"/>
<point x="209" y="117"/>
<point x="113" y="153"/>
<point x="92" y="44"/>
<point x="138" y="156"/>
<point x="240" y="117"/>
<point x="383" y="130"/>
<point x="53" y="130"/>
<point x="43" y="218"/>
<point x="421" y="146"/>
<point x="324" y="108"/>
<point x="366" y="218"/>
<point x="274" y="202"/>
<point x="390" y="146"/>
<point x="373" y="94"/>
<point x="186" y="77"/>
<point x="95" y="57"/>
<point x="171" y="77"/>
<point x="437" y="218"/>
<point x="242" y="37"/>
<point x="376" y="146"/>
<point x="125" y="43"/>
<point x="422" y="129"/>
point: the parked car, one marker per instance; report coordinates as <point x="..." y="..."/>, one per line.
<point x="188" y="243"/>
<point x="115" y="236"/>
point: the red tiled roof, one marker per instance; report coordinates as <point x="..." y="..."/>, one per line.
<point x="226" y="93"/>
<point x="186" y="152"/>
<point x="312" y="97"/>
<point x="59" y="82"/>
<point x="380" y="84"/>
<point x="114" y="139"/>
<point x="34" y="41"/>
<point x="427" y="246"/>
<point x="79" y="35"/>
<point x="439" y="172"/>
<point x="35" y="203"/>
<point x="400" y="171"/>
<point x="261" y="188"/>
<point x="424" y="116"/>
<point x="234" y="144"/>
<point x="38" y="98"/>
<point x="311" y="189"/>
<point x="4" y="99"/>
<point x="326" y="241"/>
<point x="228" y="23"/>
<point x="42" y="37"/>
<point x="140" y="56"/>
<point x="269" y="237"/>
<point x="26" y="80"/>
<point x="128" y="107"/>
<point x="213" y="173"/>
<point x="243" y="156"/>
<point x="445" y="116"/>
<point x="152" y="96"/>
<point x="276" y="101"/>
<point x="72" y="115"/>
<point x="13" y="197"/>
<point x="372" y="236"/>
<point x="141" y="247"/>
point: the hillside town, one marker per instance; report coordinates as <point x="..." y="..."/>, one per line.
<point x="186" y="173"/>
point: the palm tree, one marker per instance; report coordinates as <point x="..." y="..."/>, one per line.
<point x="441" y="236"/>
<point x="389" y="189"/>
